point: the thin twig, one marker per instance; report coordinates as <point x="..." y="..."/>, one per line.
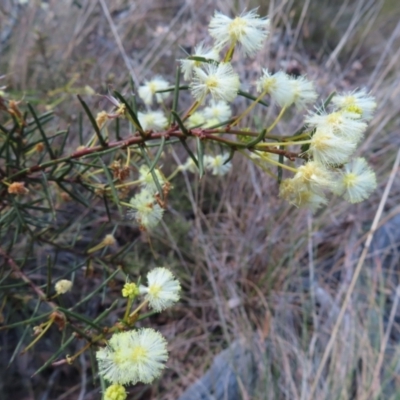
<point x="19" y="274"/>
<point x="135" y="140"/>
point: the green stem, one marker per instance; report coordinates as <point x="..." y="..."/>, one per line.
<point x="172" y="176"/>
<point x="127" y="184"/>
<point x="284" y="143"/>
<point x="131" y="316"/>
<point x="255" y="134"/>
<point x="191" y="110"/>
<point x="251" y="106"/>
<point x="229" y="54"/>
<point x="255" y="161"/>
<point x="128" y="308"/>
<point x="273" y="162"/>
<point x="220" y="139"/>
<point x="303" y="135"/>
<point x="278" y="118"/>
<point x="41" y="334"/>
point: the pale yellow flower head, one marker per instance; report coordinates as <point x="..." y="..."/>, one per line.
<point x="197" y="119"/>
<point x="109" y="240"/>
<point x="189" y="165"/>
<point x="356" y="182"/>
<point x="212" y="122"/>
<point x="356" y="102"/>
<point x="278" y="86"/>
<point x="146" y="211"/>
<point x="130" y="290"/>
<point x="218" y="110"/>
<point x="115" y="392"/>
<point x="342" y="123"/>
<point x="328" y="148"/>
<point x="162" y="290"/>
<point x="303" y="91"/>
<point x="101" y="118"/>
<point x="300" y="196"/>
<point x="147" y="181"/>
<point x="220" y="81"/>
<point x="217" y="165"/>
<point x="308" y="199"/>
<point x="200" y="50"/>
<point x="248" y="30"/>
<point x="63" y="286"/>
<point x="152" y="120"/>
<point x="314" y="177"/>
<point x="133" y="356"/>
<point x="148" y="90"/>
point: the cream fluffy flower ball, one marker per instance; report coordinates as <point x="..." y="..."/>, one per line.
<point x="220" y="81"/>
<point x="278" y="86"/>
<point x="342" y="123"/>
<point x="63" y="286"/>
<point x="216" y="165"/>
<point x="328" y="148"/>
<point x="152" y="120"/>
<point x="359" y="102"/>
<point x="248" y="29"/>
<point x="148" y="90"/>
<point x="147" y="181"/>
<point x="146" y="211"/>
<point x="200" y="50"/>
<point x="162" y="290"/>
<point x="133" y="356"/>
<point x="357" y="181"/>
<point x="314" y="177"/>
<point x="219" y="110"/>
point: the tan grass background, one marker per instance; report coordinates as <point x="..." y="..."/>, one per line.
<point x="244" y="258"/>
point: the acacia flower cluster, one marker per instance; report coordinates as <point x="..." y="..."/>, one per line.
<point x="146" y="179"/>
<point x="333" y="139"/>
<point x="330" y="138"/>
<point x="138" y="355"/>
<point x="326" y="143"/>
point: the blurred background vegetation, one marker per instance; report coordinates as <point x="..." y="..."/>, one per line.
<point x="248" y="263"/>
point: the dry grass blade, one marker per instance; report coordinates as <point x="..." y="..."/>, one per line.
<point x="119" y="42"/>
